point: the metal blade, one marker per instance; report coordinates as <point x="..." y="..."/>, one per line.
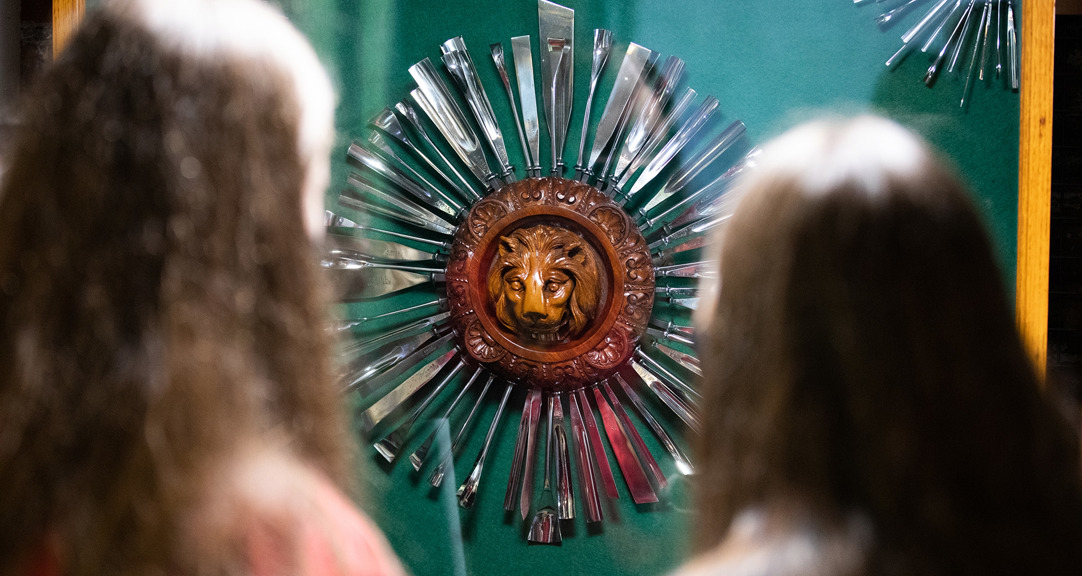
<point x="381" y="249"/>
<point x="417" y="459"/>
<point x="386" y="405"/>
<point x="690" y="128"/>
<point x="416" y="327"/>
<point x="434" y="98"/>
<point x="602" y="459"/>
<point x="670" y="331"/>
<point x="514" y="480"/>
<point x="634" y="475"/>
<point x="392" y="442"/>
<point x="565" y="496"/>
<point x="629" y="76"/>
<point x="365" y="283"/>
<point x="591" y="501"/>
<point x="555" y="21"/>
<point x="403" y="107"/>
<point x="602" y="48"/>
<point x="701" y="269"/>
<point x="351" y="323"/>
<point x="459" y="63"/>
<point x="385" y="358"/>
<point x="523" y="54"/>
<point x="648" y="119"/>
<point x="686" y="389"/>
<point x="668" y="397"/>
<point x="561" y="78"/>
<point x="635" y="437"/>
<point x="467" y="492"/>
<point x="690" y="236"/>
<point x="380" y="147"/>
<point x="346" y="223"/>
<point x="498" y="59"/>
<point x="684" y="359"/>
<point x="377" y="382"/>
<point x="448" y="457"/>
<point x="683" y="465"/>
<point x="397" y="208"/>
<point x="695" y="165"/>
<point x="534" y="401"/>
<point x="653" y="143"/>
<point x="380" y="166"/>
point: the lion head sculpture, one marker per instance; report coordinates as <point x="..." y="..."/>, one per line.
<point x="544" y="283"/>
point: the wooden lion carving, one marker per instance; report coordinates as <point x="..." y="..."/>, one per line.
<point x="544" y="283"/>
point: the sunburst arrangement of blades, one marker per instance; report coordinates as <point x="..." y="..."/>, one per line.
<point x="652" y="154"/>
<point x="984" y="31"/>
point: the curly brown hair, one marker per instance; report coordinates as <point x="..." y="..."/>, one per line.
<point x="863" y="357"/>
<point x="159" y="299"/>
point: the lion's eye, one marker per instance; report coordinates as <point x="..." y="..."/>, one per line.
<point x="515" y="284"/>
<point x="553" y="286"/>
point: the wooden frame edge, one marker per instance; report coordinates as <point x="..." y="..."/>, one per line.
<point x="66" y="17"/>
<point x="1035" y="178"/>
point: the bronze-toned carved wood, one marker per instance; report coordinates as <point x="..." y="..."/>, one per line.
<point x="550" y="283"/>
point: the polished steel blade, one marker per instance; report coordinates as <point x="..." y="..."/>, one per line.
<point x="700" y="269"/>
<point x="673" y="380"/>
<point x="388" y="123"/>
<point x="417" y="327"/>
<point x="591" y="502"/>
<point x="602" y="459"/>
<point x="683" y="465"/>
<point x="565" y="495"/>
<point x="523" y="55"/>
<point x="436" y="101"/>
<point x="382" y="249"/>
<point x="628" y="78"/>
<point x="375" y="414"/>
<point x="467" y="492"/>
<point x="684" y="359"/>
<point x="397" y="207"/>
<point x="634" y="475"/>
<point x="602" y="48"/>
<point x="653" y="143"/>
<point x="501" y="67"/>
<point x="391" y="444"/>
<point x="687" y="237"/>
<point x="652" y="110"/>
<point x="381" y="147"/>
<point x="668" y="397"/>
<point x="448" y="457"/>
<point x="526" y="497"/>
<point x="667" y="330"/>
<point x="682" y="137"/>
<point x="371" y="384"/>
<point x="364" y="283"/>
<point x="555" y="21"/>
<point x="371" y="161"/>
<point x="340" y="222"/>
<point x="514" y="480"/>
<point x="636" y="438"/>
<point x="417" y="459"/>
<point x="545" y="527"/>
<point x="561" y="76"/>
<point x="459" y="63"/>
<point x="403" y="107"/>
<point x="381" y="359"/>
<point x="695" y="165"/>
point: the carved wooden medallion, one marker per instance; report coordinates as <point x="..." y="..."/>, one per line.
<point x="550" y="283"/>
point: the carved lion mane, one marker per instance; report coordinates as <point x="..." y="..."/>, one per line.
<point x="541" y="249"/>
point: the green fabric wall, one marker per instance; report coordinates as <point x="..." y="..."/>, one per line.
<point x="771" y="64"/>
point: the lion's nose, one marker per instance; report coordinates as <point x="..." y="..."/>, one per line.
<point x="533" y="305"/>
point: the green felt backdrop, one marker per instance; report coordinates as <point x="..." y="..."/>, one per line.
<point x="771" y="64"/>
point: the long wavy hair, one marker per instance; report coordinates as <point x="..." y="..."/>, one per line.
<point x="862" y="357"/>
<point x="158" y="291"/>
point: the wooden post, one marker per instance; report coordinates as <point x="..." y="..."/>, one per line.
<point x="66" y="17"/>
<point x="1035" y="177"/>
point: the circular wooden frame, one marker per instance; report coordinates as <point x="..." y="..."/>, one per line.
<point x="625" y="271"/>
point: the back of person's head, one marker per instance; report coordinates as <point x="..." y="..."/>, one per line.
<point x="158" y="293"/>
<point x="863" y="359"/>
